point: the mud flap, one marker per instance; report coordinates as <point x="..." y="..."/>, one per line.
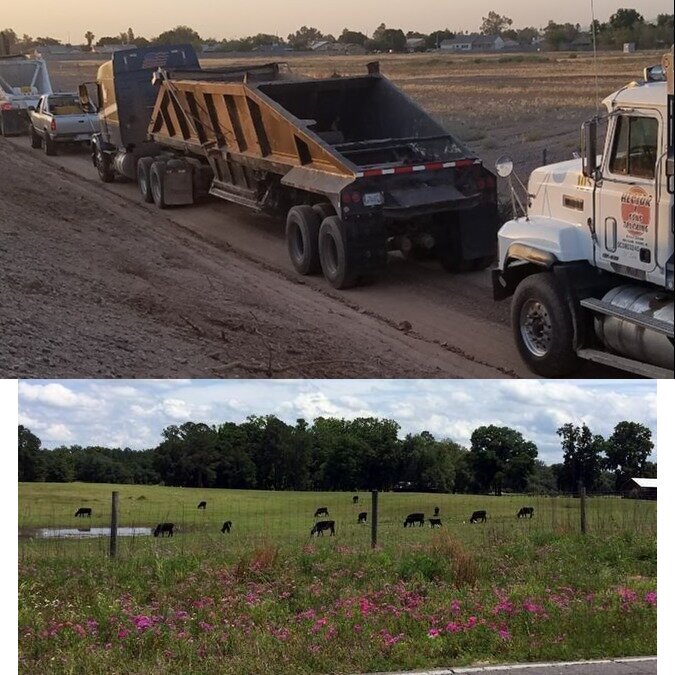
<point x="178" y="188"/>
<point x="367" y="242"/>
<point x="14" y="122"/>
<point x="478" y="232"/>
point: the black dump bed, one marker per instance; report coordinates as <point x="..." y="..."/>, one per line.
<point x="367" y="120"/>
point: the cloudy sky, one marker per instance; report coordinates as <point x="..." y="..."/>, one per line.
<point x="132" y="413"/>
<point x="241" y="17"/>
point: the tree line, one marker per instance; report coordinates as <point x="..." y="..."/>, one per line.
<point x="625" y="25"/>
<point x="266" y="453"/>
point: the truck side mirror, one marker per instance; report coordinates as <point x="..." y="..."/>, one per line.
<point x="589" y="154"/>
<point x="85" y="99"/>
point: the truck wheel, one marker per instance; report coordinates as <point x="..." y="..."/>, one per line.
<point x="35" y="139"/>
<point x="50" y="146"/>
<point x="542" y="325"/>
<point x="103" y="165"/>
<point x="302" y="239"/>
<point x="335" y="254"/>
<point x="143" y="175"/>
<point x="157" y="172"/>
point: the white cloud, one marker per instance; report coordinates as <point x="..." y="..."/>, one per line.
<point x="56" y="395"/>
<point x="58" y="433"/>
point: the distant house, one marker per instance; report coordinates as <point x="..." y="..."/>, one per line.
<point x="628" y="47"/>
<point x="109" y="49"/>
<point x="415" y="44"/>
<point x="473" y="43"/>
<point x="642" y="488"/>
<point x="275" y="48"/>
<point x="57" y="49"/>
<point x="336" y="47"/>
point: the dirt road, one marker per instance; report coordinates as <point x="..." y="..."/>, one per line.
<point x="97" y="283"/>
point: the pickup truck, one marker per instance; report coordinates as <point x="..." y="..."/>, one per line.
<point x="61" y="118"/>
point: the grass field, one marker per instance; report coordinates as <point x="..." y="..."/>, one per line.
<point x="267" y="599"/>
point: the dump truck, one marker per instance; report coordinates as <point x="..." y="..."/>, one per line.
<point x="357" y="167"/>
<point x="22" y="81"/>
<point x="590" y="264"/>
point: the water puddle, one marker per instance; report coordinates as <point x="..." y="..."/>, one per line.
<point x="88" y="532"/>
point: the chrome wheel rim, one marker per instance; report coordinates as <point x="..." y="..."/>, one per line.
<point x="536" y="328"/>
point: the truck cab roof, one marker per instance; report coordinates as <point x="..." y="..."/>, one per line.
<point x="638" y="94"/>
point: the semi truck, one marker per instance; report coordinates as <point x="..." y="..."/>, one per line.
<point x="590" y="264"/>
<point x="357" y="168"/>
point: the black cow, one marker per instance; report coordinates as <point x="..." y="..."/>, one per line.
<point x="363" y="517"/>
<point x="322" y="526"/>
<point x="82" y="512"/>
<point x="321" y="511"/>
<point x="435" y="522"/>
<point x="478" y="515"/>
<point x="201" y="505"/>
<point x="227" y="526"/>
<point x="164" y="529"/>
<point x="413" y="518"/>
<point x="525" y="511"/>
<point x="355" y="499"/>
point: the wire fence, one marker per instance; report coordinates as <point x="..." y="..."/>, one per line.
<point x="292" y="519"/>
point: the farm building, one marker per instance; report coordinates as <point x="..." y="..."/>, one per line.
<point x="642" y="488"/>
<point x="473" y="43"/>
<point x="628" y="47"/>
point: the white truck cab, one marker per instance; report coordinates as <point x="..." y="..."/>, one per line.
<point x="590" y="266"/>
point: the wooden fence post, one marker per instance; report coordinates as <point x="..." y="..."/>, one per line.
<point x="373" y="520"/>
<point x="113" y="524"/>
<point x="582" y="495"/>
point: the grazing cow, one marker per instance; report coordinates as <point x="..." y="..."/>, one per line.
<point x="525" y="511"/>
<point x="321" y="511"/>
<point x="227" y="526"/>
<point x="413" y="518"/>
<point x="435" y="522"/>
<point x="82" y="512"/>
<point x="322" y="526"/>
<point x="436" y="511"/>
<point x="201" y="505"/>
<point x="478" y="515"/>
<point x="355" y="499"/>
<point x="363" y="516"/>
<point x="164" y="529"/>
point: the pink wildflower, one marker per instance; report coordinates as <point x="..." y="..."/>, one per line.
<point x="650" y="598"/>
<point x="433" y="633"/>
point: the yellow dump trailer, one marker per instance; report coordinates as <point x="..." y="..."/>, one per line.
<point x="357" y="167"/>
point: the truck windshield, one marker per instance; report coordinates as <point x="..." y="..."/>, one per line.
<point x="635" y="146"/>
<point x="18" y="75"/>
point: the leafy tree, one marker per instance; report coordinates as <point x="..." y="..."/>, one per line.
<point x="495" y="24"/>
<point x="434" y="39"/>
<point x="47" y="41"/>
<point x="89" y="37"/>
<point x="582" y="460"/>
<point x="304" y="37"/>
<point x="526" y="36"/>
<point x="179" y="35"/>
<point x="107" y="40"/>
<point x="625" y="18"/>
<point x="352" y="37"/>
<point x="557" y="35"/>
<point x="501" y="457"/>
<point x="31" y="465"/>
<point x="542" y="480"/>
<point x="627" y="450"/>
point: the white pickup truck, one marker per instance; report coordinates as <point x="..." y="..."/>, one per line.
<point x="61" y="118"/>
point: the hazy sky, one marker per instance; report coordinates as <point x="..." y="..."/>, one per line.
<point x="132" y="413"/>
<point x="233" y="18"/>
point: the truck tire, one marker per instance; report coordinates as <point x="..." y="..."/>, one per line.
<point x="542" y="326"/>
<point x="143" y="176"/>
<point x="336" y="255"/>
<point x="35" y="139"/>
<point x="157" y="173"/>
<point x="103" y="165"/>
<point x="302" y="239"/>
<point x="50" y="146"/>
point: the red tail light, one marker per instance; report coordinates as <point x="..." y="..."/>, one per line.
<point x="53" y="125"/>
<point x="6" y="106"/>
